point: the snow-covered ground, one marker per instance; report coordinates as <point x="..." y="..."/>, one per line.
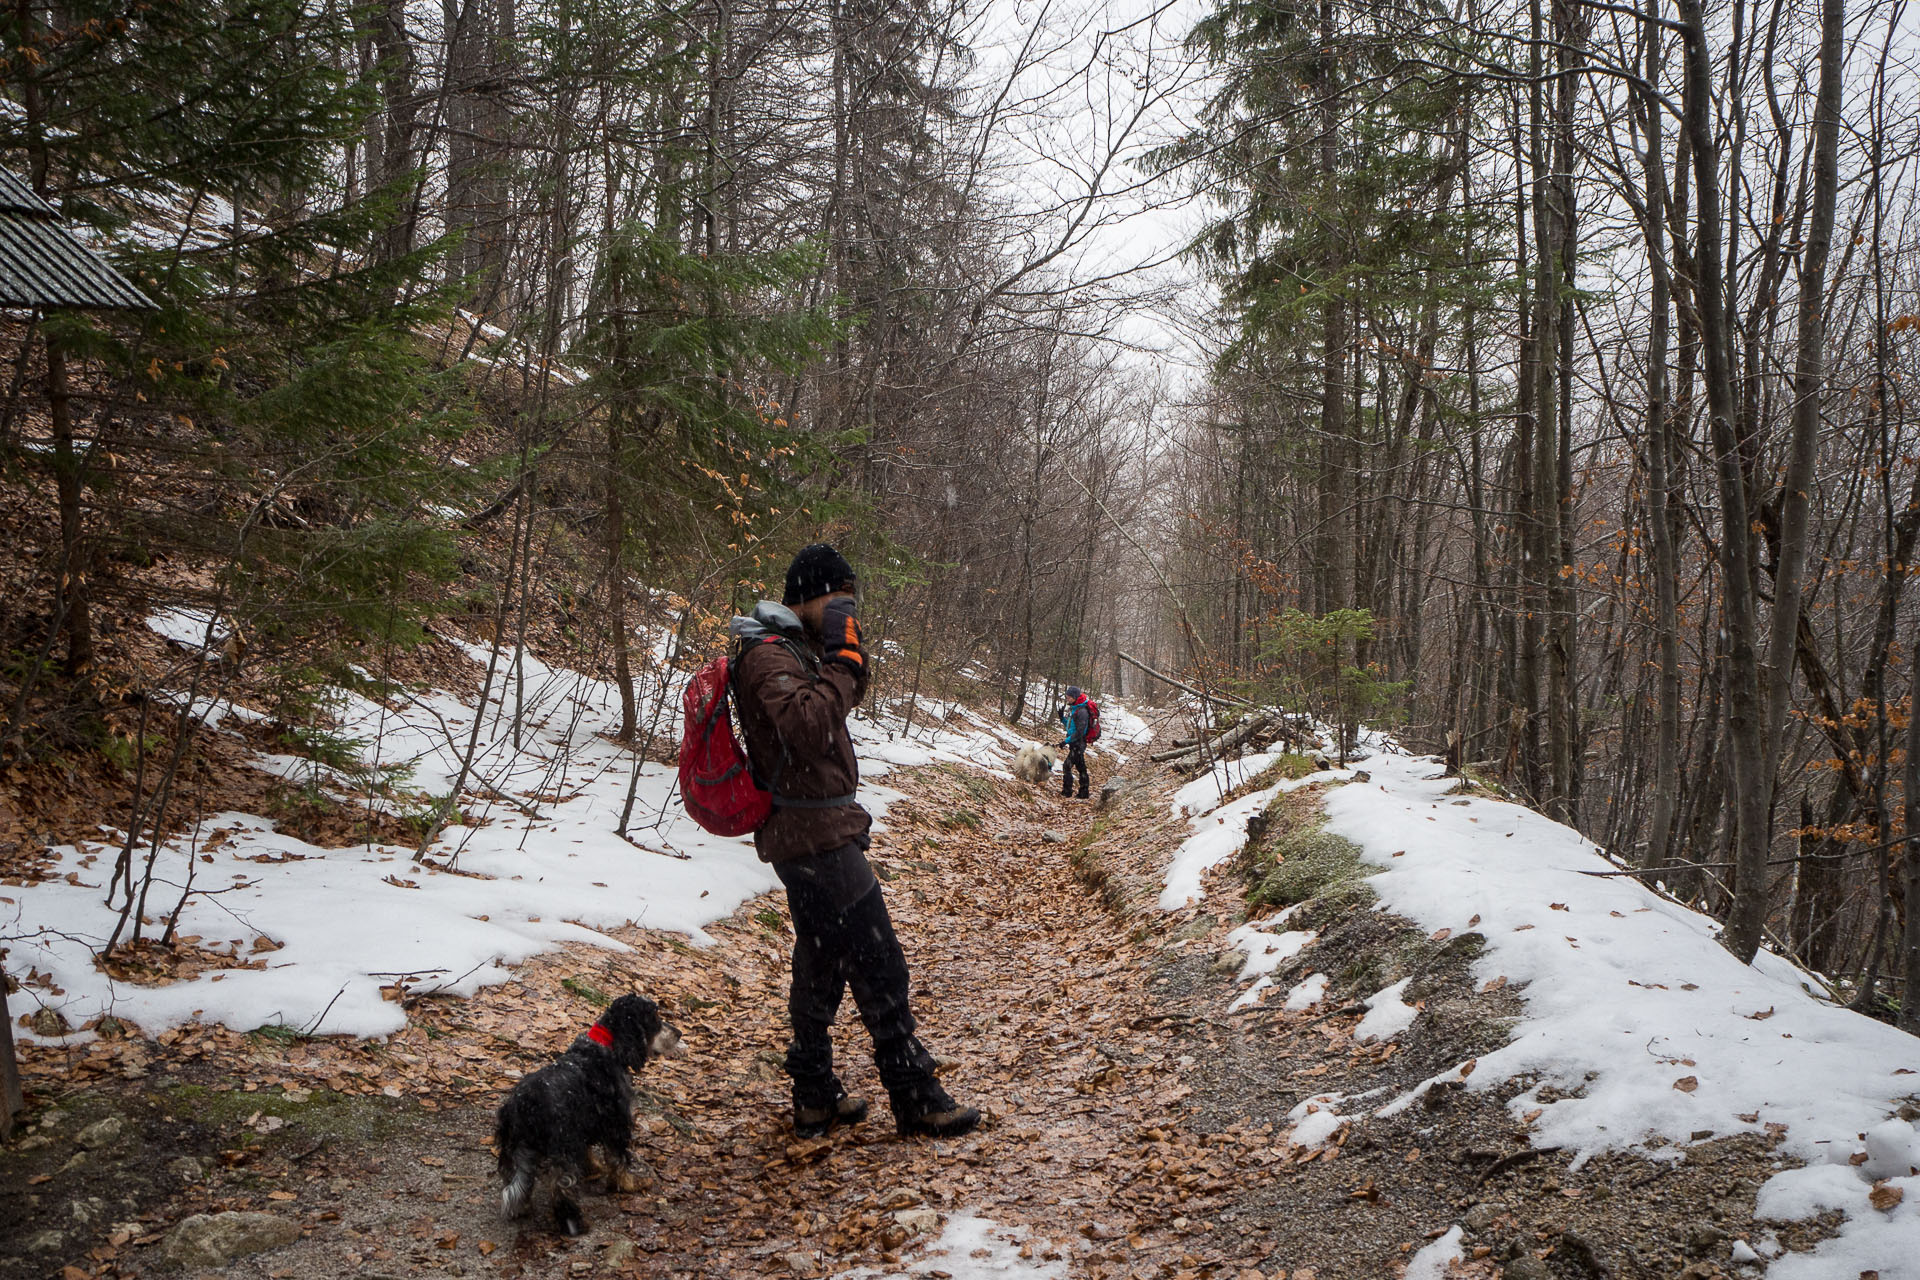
<point x="1650" y="1030"/>
<point x="537" y="864"/>
<point x="1219" y="831"/>
<point x="1204" y="793"/>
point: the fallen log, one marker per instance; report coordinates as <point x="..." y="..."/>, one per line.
<point x="1202" y="694"/>
<point x="1227" y="744"/>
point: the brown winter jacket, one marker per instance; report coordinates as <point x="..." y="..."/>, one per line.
<point x="793" y="715"/>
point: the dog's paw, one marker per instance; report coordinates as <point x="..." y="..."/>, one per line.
<point x="630" y="1178"/>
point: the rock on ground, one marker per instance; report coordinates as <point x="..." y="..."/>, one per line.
<point x="215" y="1239"/>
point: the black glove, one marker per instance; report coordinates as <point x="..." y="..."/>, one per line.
<point x="840" y="632"/>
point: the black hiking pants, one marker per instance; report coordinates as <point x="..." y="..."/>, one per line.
<point x="1076" y="759"/>
<point x="844" y="938"/>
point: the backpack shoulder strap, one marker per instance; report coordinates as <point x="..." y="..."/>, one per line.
<point x="772" y="785"/>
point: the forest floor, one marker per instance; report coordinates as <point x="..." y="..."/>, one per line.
<point x="1134" y="1127"/>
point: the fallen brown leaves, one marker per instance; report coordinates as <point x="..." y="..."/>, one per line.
<point x="1030" y="989"/>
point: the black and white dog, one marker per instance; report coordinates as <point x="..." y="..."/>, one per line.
<point x="553" y="1119"/>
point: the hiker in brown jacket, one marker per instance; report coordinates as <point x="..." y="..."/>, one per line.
<point x="800" y="669"/>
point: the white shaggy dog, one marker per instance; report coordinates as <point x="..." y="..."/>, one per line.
<point x="1034" y="764"/>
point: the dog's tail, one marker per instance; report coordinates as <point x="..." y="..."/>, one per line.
<point x="516" y="1191"/>
<point x="518" y="1168"/>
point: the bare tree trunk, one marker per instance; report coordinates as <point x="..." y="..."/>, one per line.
<point x="72" y="607"/>
<point x="1746" y="749"/>
<point x="393" y="51"/>
<point x="1910" y="940"/>
<point x="1809" y="380"/>
<point x="1336" y="524"/>
<point x="1666" y="569"/>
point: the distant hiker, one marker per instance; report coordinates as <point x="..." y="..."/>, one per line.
<point x="800" y="669"/>
<point x="1080" y="719"/>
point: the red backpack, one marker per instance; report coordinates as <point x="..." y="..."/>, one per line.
<point x="1093" y="721"/>
<point x="716" y="784"/>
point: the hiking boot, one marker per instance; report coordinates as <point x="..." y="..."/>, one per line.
<point x="817" y="1122"/>
<point x="1082" y="795"/>
<point x="948" y="1121"/>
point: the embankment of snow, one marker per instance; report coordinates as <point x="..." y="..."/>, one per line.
<point x="1635" y="1012"/>
<point x="1204" y="793"/>
<point x="1219" y="833"/>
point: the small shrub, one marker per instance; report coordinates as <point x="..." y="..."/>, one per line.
<point x="123" y="751"/>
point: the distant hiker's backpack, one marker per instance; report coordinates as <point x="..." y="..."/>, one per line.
<point x="1093" y="721"/>
<point x="715" y="783"/>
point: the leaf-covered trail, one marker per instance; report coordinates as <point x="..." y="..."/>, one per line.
<point x="1083" y="1038"/>
<point x="1033" y="993"/>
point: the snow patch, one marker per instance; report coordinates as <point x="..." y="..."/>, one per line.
<point x="1431" y="1263"/>
<point x="195" y="630"/>
<point x="1648" y="1027"/>
<point x="1266" y="951"/>
<point x="1251" y="996"/>
<point x="1216" y="837"/>
<point x="1316" y="1120"/>
<point x="535" y="841"/>
<point x="1122" y="725"/>
<point x="1419" y="1091"/>
<point x="972" y="1247"/>
<point x="1204" y="793"/>
<point x="1387" y="1014"/>
<point x="1308" y="993"/>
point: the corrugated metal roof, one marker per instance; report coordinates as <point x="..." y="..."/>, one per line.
<point x="17" y="197"/>
<point x="43" y="265"/>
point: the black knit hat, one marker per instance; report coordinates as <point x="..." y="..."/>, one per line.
<point x="817" y="570"/>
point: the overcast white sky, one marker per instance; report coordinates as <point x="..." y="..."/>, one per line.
<point x="1090" y="87"/>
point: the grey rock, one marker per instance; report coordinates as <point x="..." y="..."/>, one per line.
<point x="1053" y="837"/>
<point x="187" y="1168"/>
<point x="1112" y="789"/>
<point x="618" y="1254"/>
<point x="33" y="1142"/>
<point x="87" y="1210"/>
<point x="801" y="1262"/>
<point x="1526" y="1267"/>
<point x="50" y="1119"/>
<point x="1703" y="1236"/>
<point x="46" y="1241"/>
<point x="216" y="1239"/>
<point x="1481" y="1216"/>
<point x="918" y="1221"/>
<point x="49" y="1023"/>
<point x="101" y="1133"/>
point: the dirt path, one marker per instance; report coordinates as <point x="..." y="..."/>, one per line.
<point x="1133" y="1128"/>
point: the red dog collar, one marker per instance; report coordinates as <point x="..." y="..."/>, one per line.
<point x="600" y="1035"/>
